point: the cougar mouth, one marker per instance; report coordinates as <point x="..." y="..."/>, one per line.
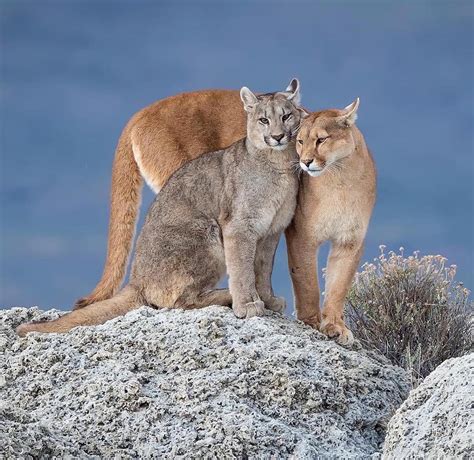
<point x="312" y="170"/>
<point x="315" y="172"/>
<point x="277" y="145"/>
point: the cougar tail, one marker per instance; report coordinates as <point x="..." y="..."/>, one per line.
<point x="124" y="205"/>
<point x="126" y="300"/>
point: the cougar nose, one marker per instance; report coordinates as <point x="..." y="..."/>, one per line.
<point x="307" y="162"/>
<point x="278" y="137"/>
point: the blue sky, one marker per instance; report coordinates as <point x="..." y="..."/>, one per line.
<point x="73" y="72"/>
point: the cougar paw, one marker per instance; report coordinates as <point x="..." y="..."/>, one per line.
<point x="312" y="321"/>
<point x="247" y="310"/>
<point x="336" y="329"/>
<point x="277" y="304"/>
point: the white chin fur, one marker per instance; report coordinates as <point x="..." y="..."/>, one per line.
<point x="314" y="173"/>
<point x="279" y="147"/>
<point x="311" y="172"/>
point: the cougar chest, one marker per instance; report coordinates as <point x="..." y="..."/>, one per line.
<point x="338" y="215"/>
<point x="284" y="201"/>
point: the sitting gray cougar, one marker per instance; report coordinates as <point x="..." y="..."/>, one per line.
<point x="222" y="211"/>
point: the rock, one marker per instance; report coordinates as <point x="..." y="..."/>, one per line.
<point x="437" y="419"/>
<point x="180" y="384"/>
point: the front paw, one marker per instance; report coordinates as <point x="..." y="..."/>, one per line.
<point x="247" y="310"/>
<point x="312" y="321"/>
<point x="335" y="328"/>
<point x="274" y="303"/>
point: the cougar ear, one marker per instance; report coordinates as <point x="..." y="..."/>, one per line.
<point x="303" y="113"/>
<point x="248" y="98"/>
<point x="293" y="91"/>
<point x="349" y="115"/>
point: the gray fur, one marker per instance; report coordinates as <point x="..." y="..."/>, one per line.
<point x="223" y="211"/>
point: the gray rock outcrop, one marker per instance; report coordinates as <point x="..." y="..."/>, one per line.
<point x="437" y="419"/>
<point x="195" y="384"/>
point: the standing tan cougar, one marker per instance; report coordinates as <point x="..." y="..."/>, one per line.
<point x="335" y="203"/>
<point x="225" y="209"/>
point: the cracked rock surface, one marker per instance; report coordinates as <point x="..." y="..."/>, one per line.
<point x="190" y="384"/>
<point x="437" y="419"/>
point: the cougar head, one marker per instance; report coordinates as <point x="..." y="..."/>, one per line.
<point x="273" y="119"/>
<point x="325" y="138"/>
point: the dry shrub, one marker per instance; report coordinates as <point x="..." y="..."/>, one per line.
<point x="411" y="310"/>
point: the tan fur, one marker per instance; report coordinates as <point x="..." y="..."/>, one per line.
<point x="222" y="211"/>
<point x="336" y="206"/>
<point x="155" y="143"/>
<point x="169" y="133"/>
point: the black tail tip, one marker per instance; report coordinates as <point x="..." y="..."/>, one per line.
<point x="82" y="302"/>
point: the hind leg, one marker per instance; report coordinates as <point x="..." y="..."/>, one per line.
<point x="202" y="292"/>
<point x="192" y="283"/>
<point x="205" y="298"/>
<point x="215" y="297"/>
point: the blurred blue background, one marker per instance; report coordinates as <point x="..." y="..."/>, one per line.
<point x="73" y="72"/>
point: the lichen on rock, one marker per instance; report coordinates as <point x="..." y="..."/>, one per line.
<point x="191" y="384"/>
<point x="437" y="419"/>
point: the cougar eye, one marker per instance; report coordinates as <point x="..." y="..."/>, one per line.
<point x="300" y="141"/>
<point x="321" y="140"/>
<point x="286" y="116"/>
<point x="264" y="121"/>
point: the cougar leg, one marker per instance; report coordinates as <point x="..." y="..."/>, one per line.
<point x="302" y="249"/>
<point x="240" y="249"/>
<point x="264" y="259"/>
<point x="342" y="265"/>
<point x="204" y="299"/>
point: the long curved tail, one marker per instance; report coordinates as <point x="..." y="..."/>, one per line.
<point x="126" y="300"/>
<point x="124" y="206"/>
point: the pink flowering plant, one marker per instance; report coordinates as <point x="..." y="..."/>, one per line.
<point x="411" y="310"/>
